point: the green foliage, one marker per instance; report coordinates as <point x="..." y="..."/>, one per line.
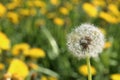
<point x="51" y="37"/>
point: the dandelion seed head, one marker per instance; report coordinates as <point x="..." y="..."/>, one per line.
<point x="85" y="39"/>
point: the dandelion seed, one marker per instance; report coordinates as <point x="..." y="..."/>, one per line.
<point x="85" y="39"/>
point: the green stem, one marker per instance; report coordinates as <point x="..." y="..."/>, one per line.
<point x="47" y="71"/>
<point x="52" y="43"/>
<point x="88" y="66"/>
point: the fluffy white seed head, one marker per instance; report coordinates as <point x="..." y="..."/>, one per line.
<point x="85" y="39"/>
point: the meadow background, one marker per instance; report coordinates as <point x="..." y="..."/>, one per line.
<point x="33" y="39"/>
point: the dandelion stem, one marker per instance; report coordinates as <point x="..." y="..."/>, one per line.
<point x="88" y="66"/>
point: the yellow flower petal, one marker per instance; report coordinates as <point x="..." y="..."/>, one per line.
<point x="36" y="53"/>
<point x="115" y="76"/>
<point x="24" y="12"/>
<point x="2" y="9"/>
<point x="14" y="4"/>
<point x="99" y="3"/>
<point x="55" y="2"/>
<point x="108" y="17"/>
<point x="18" y="67"/>
<point x="83" y="70"/>
<point x="59" y="21"/>
<point x="39" y="3"/>
<point x="13" y="17"/>
<point x="30" y="3"/>
<point x="11" y="6"/>
<point x="20" y="48"/>
<point x="4" y="42"/>
<point x="2" y="66"/>
<point x="43" y="78"/>
<point x="64" y="11"/>
<point x="107" y="45"/>
<point x="90" y="9"/>
<point x="114" y="9"/>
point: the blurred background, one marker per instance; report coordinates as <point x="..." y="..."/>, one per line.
<point x="33" y="39"/>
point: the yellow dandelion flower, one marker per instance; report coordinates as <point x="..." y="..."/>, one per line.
<point x="115" y="76"/>
<point x="83" y="70"/>
<point x="64" y="11"/>
<point x="108" y="17"/>
<point x="114" y="9"/>
<point x="52" y="78"/>
<point x="17" y="1"/>
<point x="4" y="42"/>
<point x="99" y="3"/>
<point x="24" y="12"/>
<point x="43" y="78"/>
<point x="107" y="45"/>
<point x="36" y="53"/>
<point x="14" y="17"/>
<point x="2" y="9"/>
<point x="55" y="2"/>
<point x="39" y="3"/>
<point x="59" y="21"/>
<point x="90" y="9"/>
<point x="2" y="66"/>
<point x="30" y="3"/>
<point x="18" y="67"/>
<point x="11" y="6"/>
<point x="20" y="48"/>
